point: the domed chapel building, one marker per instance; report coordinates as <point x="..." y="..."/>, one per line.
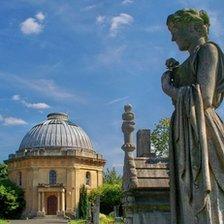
<point x="54" y="160"/>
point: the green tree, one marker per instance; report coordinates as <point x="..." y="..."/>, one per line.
<point x="3" y="171"/>
<point x="11" y="199"/>
<point x="83" y="203"/>
<point x="11" y="196"/>
<point x="110" y="192"/>
<point x="110" y="196"/>
<point x="160" y="137"/>
<point x="112" y="177"/>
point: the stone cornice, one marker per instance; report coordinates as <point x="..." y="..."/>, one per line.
<point x="79" y="159"/>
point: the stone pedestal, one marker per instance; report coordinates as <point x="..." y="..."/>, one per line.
<point x="147" y="206"/>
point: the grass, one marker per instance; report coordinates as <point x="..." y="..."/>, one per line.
<point x="3" y="221"/>
<point x="77" y="221"/>
<point x="104" y="219"/>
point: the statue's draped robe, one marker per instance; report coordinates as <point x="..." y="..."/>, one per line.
<point x="197" y="149"/>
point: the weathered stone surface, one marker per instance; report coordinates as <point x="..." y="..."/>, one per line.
<point x="129" y="172"/>
<point x="145" y="164"/>
<point x="148" y="201"/>
<point x="146" y="206"/>
<point x="143" y="143"/>
<point x="197" y="134"/>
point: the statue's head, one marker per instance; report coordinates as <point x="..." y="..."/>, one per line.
<point x="188" y="25"/>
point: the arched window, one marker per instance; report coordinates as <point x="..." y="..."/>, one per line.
<point x="88" y="178"/>
<point x="20" y="178"/>
<point x="52" y="177"/>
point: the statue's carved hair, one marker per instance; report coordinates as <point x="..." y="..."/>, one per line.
<point x="187" y="16"/>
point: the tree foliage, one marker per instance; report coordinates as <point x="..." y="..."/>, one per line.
<point x="160" y="137"/>
<point x="3" y="171"/>
<point x="110" y="192"/>
<point x="83" y="203"/>
<point x="112" y="177"/>
<point x="12" y="200"/>
<point x="110" y="196"/>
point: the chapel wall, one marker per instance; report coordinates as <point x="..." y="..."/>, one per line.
<point x="70" y="172"/>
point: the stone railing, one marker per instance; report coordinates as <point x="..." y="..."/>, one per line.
<point x="56" y="152"/>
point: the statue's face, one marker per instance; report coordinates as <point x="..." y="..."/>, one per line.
<point x="181" y="35"/>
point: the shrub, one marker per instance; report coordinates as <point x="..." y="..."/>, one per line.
<point x="11" y="199"/>
<point x="110" y="196"/>
<point x="83" y="203"/>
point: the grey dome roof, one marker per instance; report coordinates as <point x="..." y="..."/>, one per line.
<point x="56" y="131"/>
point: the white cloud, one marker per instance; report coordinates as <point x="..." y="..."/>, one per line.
<point x="119" y="21"/>
<point x="89" y="7"/>
<point x="117" y="100"/>
<point x="16" y="97"/>
<point x="44" y="87"/>
<point x="37" y="106"/>
<point x="126" y="2"/>
<point x="40" y="16"/>
<point x="31" y="26"/>
<point x="11" y="121"/>
<point x="100" y="20"/>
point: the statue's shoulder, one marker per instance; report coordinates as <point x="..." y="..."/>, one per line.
<point x="208" y="46"/>
<point x="209" y="49"/>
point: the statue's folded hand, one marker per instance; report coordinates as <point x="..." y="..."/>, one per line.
<point x="167" y="87"/>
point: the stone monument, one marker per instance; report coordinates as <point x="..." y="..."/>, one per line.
<point x="196" y="88"/>
<point x="145" y="179"/>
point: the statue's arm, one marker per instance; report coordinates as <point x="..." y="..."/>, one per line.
<point x="167" y="87"/>
<point x="206" y="72"/>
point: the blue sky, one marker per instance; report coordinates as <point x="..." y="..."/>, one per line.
<point x="88" y="58"/>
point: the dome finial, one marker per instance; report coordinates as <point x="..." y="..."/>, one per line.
<point x="59" y="116"/>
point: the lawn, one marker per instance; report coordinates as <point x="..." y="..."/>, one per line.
<point x="78" y="221"/>
<point x="3" y="221"/>
<point x="103" y="220"/>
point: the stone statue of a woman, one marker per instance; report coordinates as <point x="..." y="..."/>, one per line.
<point x="197" y="133"/>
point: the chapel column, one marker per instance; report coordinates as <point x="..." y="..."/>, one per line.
<point x="70" y="190"/>
<point x="39" y="202"/>
<point x="63" y="201"/>
<point x="59" y="202"/>
<point x="43" y="204"/>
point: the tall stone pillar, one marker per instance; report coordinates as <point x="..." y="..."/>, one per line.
<point x="130" y="179"/>
<point x="39" y="202"/>
<point x="77" y="186"/>
<point x="43" y="204"/>
<point x="69" y="190"/>
<point x="59" y="203"/>
<point x="100" y="177"/>
<point x="63" y="201"/>
<point x="34" y="184"/>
